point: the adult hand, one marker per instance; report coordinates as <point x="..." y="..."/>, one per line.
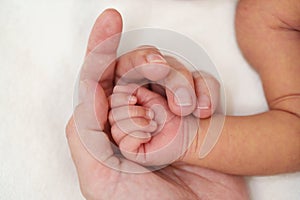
<point x="97" y="180"/>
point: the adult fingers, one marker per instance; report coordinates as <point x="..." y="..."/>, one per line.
<point x="103" y="42"/>
<point x="81" y="155"/>
<point x="143" y="62"/>
<point x="180" y="88"/>
<point x="208" y="93"/>
<point x="106" y="25"/>
<point x="87" y="142"/>
<point x="147" y="62"/>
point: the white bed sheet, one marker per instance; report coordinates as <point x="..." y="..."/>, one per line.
<point x="42" y="45"/>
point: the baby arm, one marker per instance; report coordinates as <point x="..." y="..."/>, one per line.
<point x="266" y="143"/>
<point x="268" y="33"/>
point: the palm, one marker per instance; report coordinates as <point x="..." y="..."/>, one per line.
<point x="177" y="181"/>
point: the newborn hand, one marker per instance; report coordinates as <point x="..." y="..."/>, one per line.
<point x="145" y="129"/>
<point x="196" y="93"/>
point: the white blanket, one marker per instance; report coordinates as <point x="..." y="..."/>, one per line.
<point x="42" y="44"/>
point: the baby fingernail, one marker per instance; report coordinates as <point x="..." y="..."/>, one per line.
<point x="150" y="114"/>
<point x="153" y="123"/>
<point x="204" y="102"/>
<point x="147" y="135"/>
<point x="132" y="100"/>
<point x="183" y="97"/>
<point x="155" y="58"/>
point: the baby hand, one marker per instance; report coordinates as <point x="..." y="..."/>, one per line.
<point x="145" y="129"/>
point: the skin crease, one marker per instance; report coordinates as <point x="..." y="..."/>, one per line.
<point x="97" y="181"/>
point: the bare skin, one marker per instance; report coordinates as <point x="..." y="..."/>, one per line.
<point x="146" y="130"/>
<point x="268" y="34"/>
<point x="267" y="143"/>
<point x="98" y="181"/>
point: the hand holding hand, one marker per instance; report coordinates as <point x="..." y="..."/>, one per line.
<point x="145" y="129"/>
<point x="99" y="170"/>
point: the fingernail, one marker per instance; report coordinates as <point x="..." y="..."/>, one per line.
<point x="204" y="102"/>
<point x="83" y="87"/>
<point x="150" y="114"/>
<point x="153" y="123"/>
<point x="155" y="58"/>
<point x="183" y="97"/>
<point x="147" y="135"/>
<point x="132" y="100"/>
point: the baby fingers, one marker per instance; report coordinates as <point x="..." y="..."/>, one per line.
<point x="208" y="93"/>
<point x="121" y="99"/>
<point x="131" y="143"/>
<point x="126" y="112"/>
<point x="127" y="126"/>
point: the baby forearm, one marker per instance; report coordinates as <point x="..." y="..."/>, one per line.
<point x="267" y="143"/>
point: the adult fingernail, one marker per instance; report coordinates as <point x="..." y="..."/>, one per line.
<point x="83" y="87"/>
<point x="204" y="102"/>
<point x="155" y="58"/>
<point x="183" y="97"/>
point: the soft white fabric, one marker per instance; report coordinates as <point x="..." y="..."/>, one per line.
<point x="42" y="44"/>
